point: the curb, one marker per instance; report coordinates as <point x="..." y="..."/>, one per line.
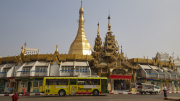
<point x="34" y="94"/>
<point x="125" y="93"/>
<point x="25" y="94"/>
<point x="172" y="92"/>
<point x="166" y="98"/>
<point x="138" y="92"/>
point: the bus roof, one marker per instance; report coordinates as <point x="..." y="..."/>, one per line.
<point x="76" y="77"/>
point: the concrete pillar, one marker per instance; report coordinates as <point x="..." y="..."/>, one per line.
<point x="99" y="72"/>
<point x="74" y="68"/>
<point x="60" y="69"/>
<point x="130" y="85"/>
<point x="112" y="84"/>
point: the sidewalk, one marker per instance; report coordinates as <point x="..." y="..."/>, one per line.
<point x="172" y="98"/>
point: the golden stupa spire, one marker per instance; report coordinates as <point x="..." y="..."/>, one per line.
<point x="98" y="29"/>
<point x="80" y="44"/>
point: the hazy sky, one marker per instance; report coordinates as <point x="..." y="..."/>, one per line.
<point x="143" y="27"/>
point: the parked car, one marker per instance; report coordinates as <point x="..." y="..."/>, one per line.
<point x="145" y="88"/>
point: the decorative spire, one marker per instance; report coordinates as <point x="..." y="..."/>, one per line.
<point x="56" y="48"/>
<point x="121" y="49"/>
<point x="109" y="24"/>
<point x="98" y="29"/>
<point x="25" y="47"/>
<point x="22" y="49"/>
<point x="81" y="9"/>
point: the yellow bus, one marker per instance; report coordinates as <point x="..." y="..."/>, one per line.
<point x="75" y="85"/>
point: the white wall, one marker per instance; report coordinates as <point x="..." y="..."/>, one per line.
<point x="18" y="74"/>
<point x="16" y="68"/>
<point x="33" y="69"/>
<point x="54" y="69"/>
<point x="10" y="72"/>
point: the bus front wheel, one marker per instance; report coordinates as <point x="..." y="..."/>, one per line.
<point x="95" y="92"/>
<point x="62" y="93"/>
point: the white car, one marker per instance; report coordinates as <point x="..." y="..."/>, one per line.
<point x="145" y="88"/>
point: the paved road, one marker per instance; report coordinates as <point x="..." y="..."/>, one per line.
<point x="104" y="97"/>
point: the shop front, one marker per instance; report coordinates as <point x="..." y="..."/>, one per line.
<point x="2" y="85"/>
<point x="10" y="85"/>
<point x="120" y="82"/>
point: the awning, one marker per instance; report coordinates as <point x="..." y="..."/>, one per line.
<point x="120" y="77"/>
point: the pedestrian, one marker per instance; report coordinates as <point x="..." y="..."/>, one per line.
<point x="122" y="86"/>
<point x="23" y="91"/>
<point x="15" y="97"/>
<point x="165" y="90"/>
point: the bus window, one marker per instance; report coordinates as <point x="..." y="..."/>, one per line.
<point x="81" y="82"/>
<point x="51" y="81"/>
<point x="95" y="81"/>
<point x="88" y="82"/>
<point x="56" y="81"/>
<point x="73" y="81"/>
<point x="62" y="82"/>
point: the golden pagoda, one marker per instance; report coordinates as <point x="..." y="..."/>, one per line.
<point x="80" y="45"/>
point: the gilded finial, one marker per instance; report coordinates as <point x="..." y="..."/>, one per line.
<point x="25" y="47"/>
<point x="98" y="29"/>
<point x="22" y="49"/>
<point x="25" y="44"/>
<point x="121" y="49"/>
<point x="56" y="48"/>
<point x="81" y="9"/>
<point x="109" y="24"/>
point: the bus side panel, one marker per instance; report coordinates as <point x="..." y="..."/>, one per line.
<point x="43" y="86"/>
<point x="61" y="87"/>
<point x="87" y="89"/>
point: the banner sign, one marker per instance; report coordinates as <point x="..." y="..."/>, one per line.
<point x="12" y="80"/>
<point x="120" y="77"/>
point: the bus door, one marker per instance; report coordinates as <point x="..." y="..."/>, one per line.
<point x="104" y="85"/>
<point x="73" y="86"/>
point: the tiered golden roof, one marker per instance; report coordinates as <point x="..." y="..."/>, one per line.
<point x="98" y="42"/>
<point x="80" y="45"/>
<point x="155" y="62"/>
<point x="22" y="58"/>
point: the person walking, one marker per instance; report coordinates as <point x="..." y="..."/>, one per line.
<point x="15" y="97"/>
<point x="122" y="87"/>
<point x="23" y="91"/>
<point x="165" y="91"/>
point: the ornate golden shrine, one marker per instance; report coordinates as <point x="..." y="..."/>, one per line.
<point x="107" y="59"/>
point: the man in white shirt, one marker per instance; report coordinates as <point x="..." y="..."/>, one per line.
<point x="165" y="90"/>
